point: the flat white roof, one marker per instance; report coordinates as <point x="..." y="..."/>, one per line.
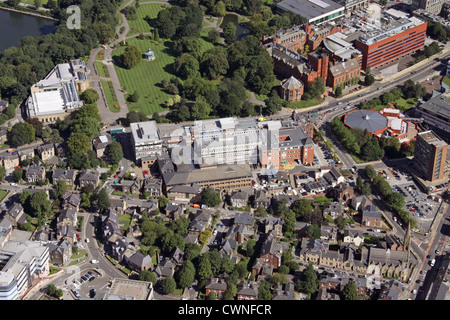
<point x="48" y="102"/>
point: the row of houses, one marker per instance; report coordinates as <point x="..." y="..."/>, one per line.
<point x="11" y="158"/>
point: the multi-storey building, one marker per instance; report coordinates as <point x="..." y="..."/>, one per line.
<point x="343" y="73"/>
<point x="390" y="40"/>
<point x="432" y="6"/>
<point x="430" y="155"/>
<point x="20" y="264"/>
<point x="314" y="11"/>
<point x="291" y="89"/>
<point x="145" y="140"/>
<point x="285" y="146"/>
<point x="57" y="94"/>
<point x="226" y="140"/>
<point x="436" y="112"/>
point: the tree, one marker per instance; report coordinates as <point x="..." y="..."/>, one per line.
<point x="167" y="29"/>
<point x="395" y="200"/>
<point x="17" y="174"/>
<point x="229" y="32"/>
<point x="213" y="35"/>
<point x="210" y="197"/>
<point x="89" y="96"/>
<point x="40" y="205"/>
<point x="309" y="283"/>
<point x="350" y="292"/>
<point x="147" y="275"/>
<point x="370" y="172"/>
<point x="78" y="143"/>
<point x="103" y="201"/>
<point x="131" y="57"/>
<point x="186" y="66"/>
<point x="219" y="9"/>
<point x="14" y="3"/>
<point x="204" y="268"/>
<point x="168" y="285"/>
<point x="114" y="152"/>
<point x="265" y="291"/>
<point x="369" y="80"/>
<point x="214" y="63"/>
<point x="338" y="91"/>
<point x="21" y="133"/>
<point x="89" y="126"/>
<point x="60" y="188"/>
<point x="134" y="97"/>
<point x="301" y="208"/>
<point x="186" y="275"/>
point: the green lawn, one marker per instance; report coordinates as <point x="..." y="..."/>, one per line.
<point x="111" y="98"/>
<point x="32" y="2"/>
<point x="102" y="69"/>
<point x="3" y="193"/>
<point x="304" y="103"/>
<point x="139" y="24"/>
<point x="446" y="80"/>
<point x="146" y="76"/>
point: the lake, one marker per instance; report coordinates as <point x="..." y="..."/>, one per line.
<point x="14" y="26"/>
<point x="241" y="30"/>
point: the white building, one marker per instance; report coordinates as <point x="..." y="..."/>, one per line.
<point x="57" y="94"/>
<point x="21" y="263"/>
<point x="145" y="139"/>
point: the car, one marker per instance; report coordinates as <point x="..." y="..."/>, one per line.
<point x="92" y="278"/>
<point x="438" y="251"/>
<point x="335" y="109"/>
<point x="90" y="272"/>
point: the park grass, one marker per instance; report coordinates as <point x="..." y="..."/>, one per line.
<point x="43" y="2"/>
<point x="102" y="69"/>
<point x="109" y="94"/>
<point x="146" y="76"/>
<point x="304" y="103"/>
<point x="139" y="25"/>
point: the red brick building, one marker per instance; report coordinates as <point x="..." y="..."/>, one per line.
<point x="343" y="73"/>
<point x="396" y="39"/>
<point x="286" y="146"/>
<point x="291" y="89"/>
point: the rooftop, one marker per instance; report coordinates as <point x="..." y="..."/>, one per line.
<point x="311" y="9"/>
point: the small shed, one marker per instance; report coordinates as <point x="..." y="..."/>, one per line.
<point x="149" y="54"/>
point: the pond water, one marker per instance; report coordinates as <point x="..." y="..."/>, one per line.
<point x="14" y="26"/>
<point x="241" y="30"/>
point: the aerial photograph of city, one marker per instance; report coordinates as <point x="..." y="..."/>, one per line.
<point x="243" y="151"/>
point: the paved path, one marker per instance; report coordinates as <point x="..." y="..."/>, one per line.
<point x="109" y="117"/>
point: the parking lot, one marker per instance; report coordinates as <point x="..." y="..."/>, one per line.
<point x="420" y="205"/>
<point x="86" y="283"/>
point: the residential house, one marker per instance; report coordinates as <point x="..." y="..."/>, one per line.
<point x="353" y="236"/>
<point x="286" y="293"/>
<point x="147" y="207"/>
<point x="184" y="193"/>
<point x="152" y="186"/>
<point x="119" y="248"/>
<point x="26" y="154"/>
<point x="68" y="216"/>
<point x="371" y="217"/>
<point x="261" y="199"/>
<point x="16" y="215"/>
<point x="200" y="221"/>
<point x="35" y="173"/>
<point x="334" y="209"/>
<point x="245" y="220"/>
<point x="360" y="201"/>
<point x="361" y="284"/>
<point x="46" y="151"/>
<point x="66" y="175"/>
<point x="270" y="255"/>
<point x="100" y="143"/>
<point x="274" y="225"/>
<point x="323" y="294"/>
<point x="6" y="229"/>
<point x="66" y="232"/>
<point x="71" y="200"/>
<point x="191" y="238"/>
<point x="129" y="186"/>
<point x="228" y="248"/>
<point x="343" y="191"/>
<point x="239" y="199"/>
<point x="60" y="253"/>
<point x="247" y="290"/>
<point x="138" y="262"/>
<point x="9" y="160"/>
<point x="118" y="205"/>
<point x="236" y="233"/>
<point x="177" y="256"/>
<point x="165" y="268"/>
<point x="3" y="105"/>
<point x="312" y="250"/>
<point x="217" y="286"/>
<point x="173" y="211"/>
<point x="87" y="177"/>
<point x="328" y="233"/>
<point x="392" y="290"/>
